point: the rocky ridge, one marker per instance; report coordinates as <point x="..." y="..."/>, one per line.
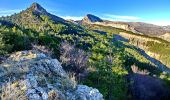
<point x="35" y="76"/>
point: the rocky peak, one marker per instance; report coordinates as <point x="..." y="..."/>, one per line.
<point x="37" y="8"/>
<point x="89" y="18"/>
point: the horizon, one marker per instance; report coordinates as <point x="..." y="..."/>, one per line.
<point x="157" y="13"/>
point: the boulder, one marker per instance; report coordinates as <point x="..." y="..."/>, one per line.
<point x="87" y="93"/>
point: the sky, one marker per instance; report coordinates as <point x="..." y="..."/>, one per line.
<point x="150" y="11"/>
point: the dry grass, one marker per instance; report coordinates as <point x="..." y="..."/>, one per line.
<point x="13" y="91"/>
<point x="42" y="49"/>
<point x="135" y="69"/>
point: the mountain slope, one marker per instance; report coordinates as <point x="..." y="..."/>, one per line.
<point x="148" y="29"/>
<point x="136" y="27"/>
<point x="32" y="17"/>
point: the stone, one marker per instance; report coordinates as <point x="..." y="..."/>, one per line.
<point x="30" y="91"/>
<point x="32" y="80"/>
<point x="87" y="93"/>
<point x="41" y="55"/>
<point x="34" y="97"/>
<point x="43" y="93"/>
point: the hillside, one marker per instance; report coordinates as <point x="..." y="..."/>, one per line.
<point x="155" y="47"/>
<point x="136" y="27"/>
<point x="34" y="42"/>
<point x="32" y="17"/>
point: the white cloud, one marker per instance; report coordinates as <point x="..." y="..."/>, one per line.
<point x="8" y="12"/>
<point x="72" y="17"/>
<point x="134" y="19"/>
<point x="161" y="23"/>
<point x="121" y="18"/>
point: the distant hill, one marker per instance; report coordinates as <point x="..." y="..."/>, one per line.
<point x="167" y="28"/>
<point x="136" y="27"/>
<point x="148" y="29"/>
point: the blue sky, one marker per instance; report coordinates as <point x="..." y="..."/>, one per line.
<point x="151" y="11"/>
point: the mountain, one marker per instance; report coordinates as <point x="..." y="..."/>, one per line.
<point x="39" y="10"/>
<point x="136" y="27"/>
<point x="167" y="28"/>
<point x="32" y="17"/>
<point x="89" y="18"/>
<point x="148" y="29"/>
<point x="113" y="57"/>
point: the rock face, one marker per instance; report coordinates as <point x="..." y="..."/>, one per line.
<point x="121" y="25"/>
<point x="33" y="75"/>
<point x="165" y="36"/>
<point x="37" y="8"/>
<point x="91" y="19"/>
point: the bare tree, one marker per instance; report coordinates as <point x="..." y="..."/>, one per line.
<point x="73" y="58"/>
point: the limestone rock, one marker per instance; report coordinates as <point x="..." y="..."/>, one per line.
<point x="87" y="93"/>
<point x="39" y="77"/>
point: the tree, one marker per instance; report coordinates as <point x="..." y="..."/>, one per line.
<point x="4" y="48"/>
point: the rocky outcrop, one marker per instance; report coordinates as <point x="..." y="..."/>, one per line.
<point x="35" y="76"/>
<point x="37" y="8"/>
<point x="165" y="36"/>
<point x="85" y="93"/>
<point x="121" y="25"/>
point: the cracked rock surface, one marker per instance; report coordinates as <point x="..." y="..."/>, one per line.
<point x="31" y="75"/>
